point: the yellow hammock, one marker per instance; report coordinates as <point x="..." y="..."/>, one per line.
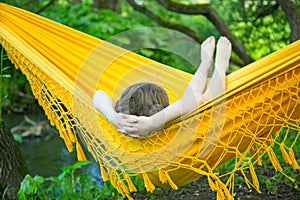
<point x="65" y="67"/>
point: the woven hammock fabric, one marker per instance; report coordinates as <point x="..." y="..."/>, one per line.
<point x="260" y="109"/>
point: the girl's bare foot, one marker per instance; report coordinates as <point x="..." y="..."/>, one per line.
<point x="223" y="54"/>
<point x="207" y="52"/>
<point x="217" y="84"/>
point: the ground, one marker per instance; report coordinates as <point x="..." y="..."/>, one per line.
<point x="200" y="190"/>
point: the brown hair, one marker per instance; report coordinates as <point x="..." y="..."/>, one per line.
<point x="142" y="99"/>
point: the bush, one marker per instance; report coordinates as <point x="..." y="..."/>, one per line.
<point x="67" y="185"/>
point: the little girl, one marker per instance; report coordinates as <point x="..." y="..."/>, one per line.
<point x="144" y="107"/>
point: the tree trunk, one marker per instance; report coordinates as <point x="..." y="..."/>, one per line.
<point x="45" y="6"/>
<point x="292" y="16"/>
<point x="12" y="164"/>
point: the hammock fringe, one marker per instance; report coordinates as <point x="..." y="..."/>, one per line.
<point x="103" y="172"/>
<point x="293" y="159"/>
<point x="254" y="178"/>
<point x="148" y="184"/>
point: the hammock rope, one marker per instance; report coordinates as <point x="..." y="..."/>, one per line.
<point x="260" y="109"/>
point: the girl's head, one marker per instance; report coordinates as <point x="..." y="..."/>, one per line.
<point x="142" y="99"/>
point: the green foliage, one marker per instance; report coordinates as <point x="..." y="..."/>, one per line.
<point x="99" y="23"/>
<point x="3" y="75"/>
<point x="260" y="34"/>
<point x="67" y="185"/>
<point x="14" y="85"/>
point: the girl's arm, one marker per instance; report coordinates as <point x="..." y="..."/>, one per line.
<point x="103" y="104"/>
<point x="143" y="126"/>
<point x="135" y="126"/>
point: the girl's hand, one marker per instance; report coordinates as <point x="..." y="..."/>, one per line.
<point x="125" y="123"/>
<point x="134" y="126"/>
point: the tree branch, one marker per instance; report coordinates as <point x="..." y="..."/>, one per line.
<point x="27" y="3"/>
<point x="185" y="9"/>
<point x="174" y="26"/>
<point x="292" y="16"/>
<point x="266" y="10"/>
<point x="211" y="15"/>
<point x="44" y="7"/>
<point x="166" y="24"/>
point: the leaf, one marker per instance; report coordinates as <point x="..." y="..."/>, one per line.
<point x="17" y="138"/>
<point x="22" y="196"/>
<point x="5" y="68"/>
<point x="5" y="57"/>
<point x="67" y="168"/>
<point x="146" y="52"/>
<point x="39" y="180"/>
<point x="6" y="76"/>
<point x="80" y="164"/>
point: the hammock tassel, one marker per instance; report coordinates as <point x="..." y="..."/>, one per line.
<point x="170" y="181"/>
<point x="103" y="172"/>
<point x="246" y="179"/>
<point x="111" y="177"/>
<point x="224" y="190"/>
<point x="285" y="155"/>
<point x="70" y="133"/>
<point x="129" y="197"/>
<point x="257" y="156"/>
<point x="113" y="180"/>
<point x="293" y="159"/>
<point x="162" y="177"/>
<point x="274" y="160"/>
<point x="123" y="186"/>
<point x="80" y="153"/>
<point x="66" y="139"/>
<point x="49" y="115"/>
<point x="131" y="186"/>
<point x="212" y="185"/>
<point x="221" y="189"/>
<point x="148" y="184"/>
<point x="119" y="189"/>
<point x="220" y="193"/>
<point x="255" y="151"/>
<point x="254" y="178"/>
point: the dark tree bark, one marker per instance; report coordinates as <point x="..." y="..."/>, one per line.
<point x="12" y="164"/>
<point x="44" y="7"/>
<point x="27" y="3"/>
<point x="264" y="10"/>
<point x="292" y="16"/>
<point x="105" y="4"/>
<point x="207" y="11"/>
<point x="160" y="21"/>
